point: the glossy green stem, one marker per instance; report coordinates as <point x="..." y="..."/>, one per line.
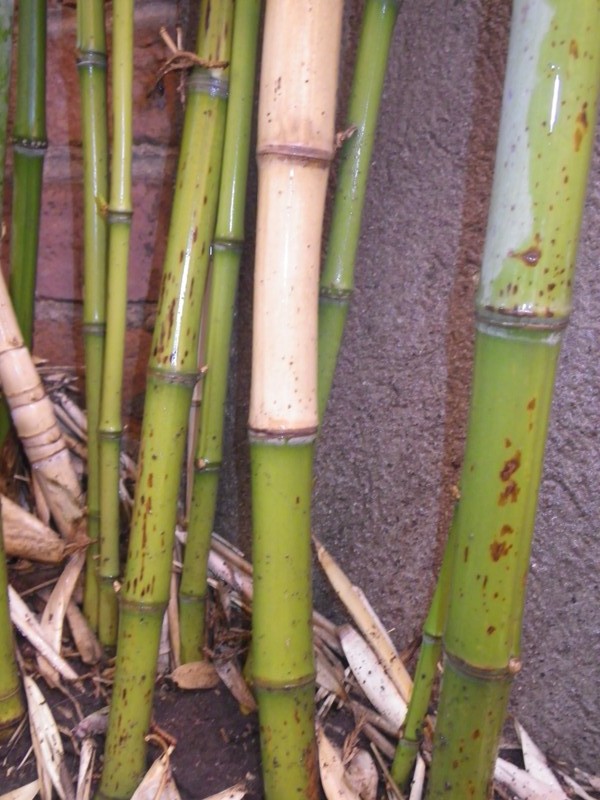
<point x="119" y="216"/>
<point x="29" y="147"/>
<point x="425" y="673"/>
<point x="172" y="374"/>
<point x="227" y="251"/>
<point x="523" y="303"/>
<point x="11" y="702"/>
<point x="337" y="277"/>
<point x="282" y="665"/>
<point x="91" y="68"/>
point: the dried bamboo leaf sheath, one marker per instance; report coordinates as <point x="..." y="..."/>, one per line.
<point x="294" y="150"/>
<point x="29" y="145"/>
<point x="524" y="298"/>
<point x="227" y="251"/>
<point x="119" y="216"/>
<point x="91" y="67"/>
<point x="172" y="373"/>
<point x="34" y="421"/>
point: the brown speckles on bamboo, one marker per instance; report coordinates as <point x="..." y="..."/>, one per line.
<point x="509" y="494"/>
<point x="511" y="465"/>
<point x="499" y="549"/>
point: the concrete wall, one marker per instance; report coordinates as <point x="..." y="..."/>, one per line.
<point x="391" y="444"/>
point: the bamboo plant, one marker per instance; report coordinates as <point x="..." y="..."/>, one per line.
<point x="29" y="149"/>
<point x="337" y="278"/>
<point x="222" y="288"/>
<point x="522" y="308"/>
<point x="294" y="149"/>
<point x="172" y="374"/>
<point x="11" y="702"/>
<point x="119" y="214"/>
<point x="91" y="67"/>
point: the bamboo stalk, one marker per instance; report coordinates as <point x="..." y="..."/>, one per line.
<point x="425" y="672"/>
<point x="227" y="251"/>
<point x="337" y="278"/>
<point x="294" y="150"/>
<point x="119" y="226"/>
<point x="91" y="67"/>
<point x="172" y="373"/>
<point x="11" y="703"/>
<point x="34" y="420"/>
<point x="523" y="304"/>
<point x="29" y="147"/>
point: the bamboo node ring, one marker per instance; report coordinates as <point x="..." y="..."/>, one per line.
<point x="483" y="673"/>
<point x="91" y="58"/>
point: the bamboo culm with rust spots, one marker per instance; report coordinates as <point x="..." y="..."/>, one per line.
<point x="172" y="374"/>
<point x="91" y="68"/>
<point x="294" y="149"/>
<point x="222" y="288"/>
<point x="522" y="308"/>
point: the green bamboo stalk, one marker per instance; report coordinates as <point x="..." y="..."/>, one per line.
<point x="227" y="251"/>
<point x="91" y="66"/>
<point x="11" y="702"/>
<point x="425" y="673"/>
<point x="294" y="150"/>
<point x="523" y="304"/>
<point x="337" y="278"/>
<point x="29" y="147"/>
<point x="119" y="227"/>
<point x="172" y="373"/>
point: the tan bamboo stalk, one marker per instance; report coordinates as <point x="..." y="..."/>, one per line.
<point x="34" y="420"/>
<point x="294" y="150"/>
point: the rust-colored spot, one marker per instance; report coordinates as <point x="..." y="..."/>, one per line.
<point x="509" y="494"/>
<point x="582" y="125"/>
<point x="506" y="530"/>
<point x="490" y="630"/>
<point x="551" y="286"/>
<point x="455" y="764"/>
<point x="150" y="479"/>
<point x="507" y="443"/>
<point x="499" y="549"/>
<point x="573" y="49"/>
<point x="476" y="734"/>
<point x="531" y="404"/>
<point x="510" y="466"/>
<point x="195" y="234"/>
<point x="485" y="580"/>
<point x="529" y="257"/>
<point x="466" y="555"/>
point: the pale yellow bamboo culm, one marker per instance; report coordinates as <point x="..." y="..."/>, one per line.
<point x="35" y="423"/>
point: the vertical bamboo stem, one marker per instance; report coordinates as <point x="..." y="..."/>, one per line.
<point x="91" y="67"/>
<point x="227" y="251"/>
<point x="294" y="150"/>
<point x="119" y="226"/>
<point x="11" y="703"/>
<point x="172" y="373"/>
<point x="523" y="304"/>
<point x="29" y="147"/>
<point x="337" y="278"/>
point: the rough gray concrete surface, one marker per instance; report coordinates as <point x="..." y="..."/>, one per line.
<point x="391" y="443"/>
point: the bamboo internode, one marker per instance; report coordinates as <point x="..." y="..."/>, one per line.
<point x="172" y="374"/>
<point x="548" y="115"/>
<point x="294" y="149"/>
